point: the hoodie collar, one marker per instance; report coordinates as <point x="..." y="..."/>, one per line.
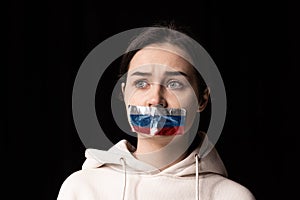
<point x="210" y="162"/>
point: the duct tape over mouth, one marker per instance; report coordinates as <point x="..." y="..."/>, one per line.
<point x="157" y="120"/>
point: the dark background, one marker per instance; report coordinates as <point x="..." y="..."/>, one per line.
<point x="254" y="44"/>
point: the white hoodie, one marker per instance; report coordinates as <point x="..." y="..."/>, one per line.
<point x="116" y="174"/>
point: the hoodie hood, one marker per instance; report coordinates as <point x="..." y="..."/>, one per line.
<point x="209" y="161"/>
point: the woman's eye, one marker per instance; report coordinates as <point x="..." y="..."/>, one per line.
<point x="141" y="84"/>
<point x="174" y="85"/>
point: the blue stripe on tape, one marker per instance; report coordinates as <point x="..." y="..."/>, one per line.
<point x="161" y="121"/>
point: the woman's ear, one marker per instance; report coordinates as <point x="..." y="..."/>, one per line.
<point x="121" y="94"/>
<point x="123" y="88"/>
<point x="204" y="100"/>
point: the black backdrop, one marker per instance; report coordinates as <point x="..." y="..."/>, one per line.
<point x="254" y="45"/>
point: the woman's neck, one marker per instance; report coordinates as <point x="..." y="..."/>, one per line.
<point x="161" y="151"/>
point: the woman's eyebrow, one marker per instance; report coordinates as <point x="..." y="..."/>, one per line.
<point x="175" y="73"/>
<point x="140" y="74"/>
<point x="167" y="73"/>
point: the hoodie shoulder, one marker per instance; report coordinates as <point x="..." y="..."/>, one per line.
<point x="82" y="184"/>
<point x="68" y="187"/>
<point x="227" y="189"/>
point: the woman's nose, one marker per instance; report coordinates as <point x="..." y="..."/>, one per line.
<point x="156" y="96"/>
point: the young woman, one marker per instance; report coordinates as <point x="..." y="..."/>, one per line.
<point x="163" y="94"/>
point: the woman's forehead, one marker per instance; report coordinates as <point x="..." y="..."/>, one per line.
<point x="155" y="56"/>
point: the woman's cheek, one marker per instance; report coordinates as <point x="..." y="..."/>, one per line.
<point x="187" y="99"/>
<point x="135" y="97"/>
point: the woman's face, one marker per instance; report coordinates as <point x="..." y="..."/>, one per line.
<point x="160" y="77"/>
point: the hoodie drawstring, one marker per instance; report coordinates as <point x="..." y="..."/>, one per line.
<point x="197" y="177"/>
<point x="124" y="171"/>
